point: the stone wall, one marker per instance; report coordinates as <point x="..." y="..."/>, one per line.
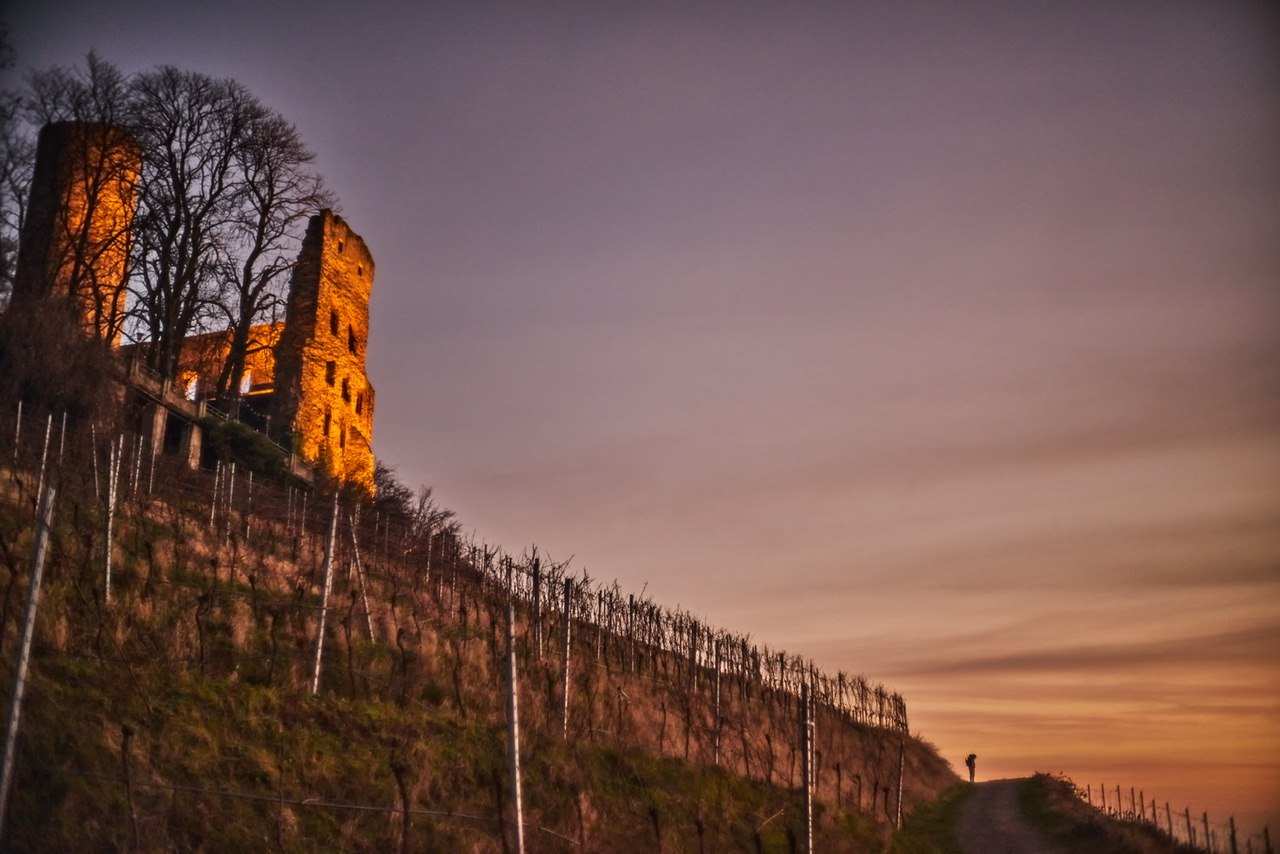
<point x="322" y="390"/>
<point x="76" y="237"/>
<point x="307" y="375"/>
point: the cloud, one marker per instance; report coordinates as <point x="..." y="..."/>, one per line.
<point x="1259" y="643"/>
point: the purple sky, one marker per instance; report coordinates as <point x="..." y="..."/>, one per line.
<point x="937" y="341"/>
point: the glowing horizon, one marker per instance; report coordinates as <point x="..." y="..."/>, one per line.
<point x="935" y="343"/>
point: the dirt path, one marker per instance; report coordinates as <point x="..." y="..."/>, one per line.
<point x="991" y="823"/>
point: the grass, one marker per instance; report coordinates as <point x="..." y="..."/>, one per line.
<point x="1051" y="804"/>
<point x="180" y="717"/>
<point x="931" y="829"/>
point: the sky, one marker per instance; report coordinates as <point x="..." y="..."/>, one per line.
<point x="938" y="342"/>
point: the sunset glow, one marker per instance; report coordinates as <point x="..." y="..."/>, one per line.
<point x="938" y="342"/>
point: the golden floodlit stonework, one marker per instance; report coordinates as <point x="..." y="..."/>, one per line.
<point x="76" y="235"/>
<point x="322" y="389"/>
<point x="304" y="381"/>
<point x="204" y="355"/>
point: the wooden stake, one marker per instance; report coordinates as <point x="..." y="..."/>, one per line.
<point x="44" y="519"/>
<point x="113" y="483"/>
<point x="324" y="599"/>
<point x="364" y="596"/>
<point x="513" y="730"/>
<point x="902" y="759"/>
<point x="715" y="704"/>
<point x="564" y="661"/>
<point x="44" y="454"/>
<point x="537" y="607"/>
<point x="17" y="438"/>
<point x="806" y="765"/>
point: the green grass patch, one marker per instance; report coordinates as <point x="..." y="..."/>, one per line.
<point x="1052" y="804"/>
<point x="931" y="828"/>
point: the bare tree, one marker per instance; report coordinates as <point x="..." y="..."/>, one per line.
<point x="279" y="194"/>
<point x="191" y="128"/>
<point x="17" y="155"/>
<point x="79" y="245"/>
<point x="224" y="190"/>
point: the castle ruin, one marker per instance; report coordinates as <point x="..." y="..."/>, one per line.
<point x="305" y="382"/>
<point x="76" y="236"/>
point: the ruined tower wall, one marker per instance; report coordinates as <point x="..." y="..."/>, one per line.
<point x="309" y="372"/>
<point x="323" y="395"/>
<point x="76" y="237"/>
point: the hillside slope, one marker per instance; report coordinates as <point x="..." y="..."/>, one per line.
<point x="179" y="713"/>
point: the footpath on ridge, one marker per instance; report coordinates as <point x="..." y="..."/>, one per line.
<point x="992" y="823"/>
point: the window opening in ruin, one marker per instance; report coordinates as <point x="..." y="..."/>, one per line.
<point x="341" y="246"/>
<point x="359" y="403"/>
<point x="342" y="437"/>
<point x="330" y="372"/>
<point x="333" y="323"/>
<point x="359" y="269"/>
<point x="346" y="389"/>
<point x="328" y="421"/>
<point x="351" y="339"/>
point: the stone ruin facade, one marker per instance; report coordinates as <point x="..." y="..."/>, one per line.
<point x="305" y="382"/>
<point x="76" y="235"/>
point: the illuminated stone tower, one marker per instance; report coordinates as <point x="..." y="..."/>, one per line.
<point x="76" y="236"/>
<point x="323" y="399"/>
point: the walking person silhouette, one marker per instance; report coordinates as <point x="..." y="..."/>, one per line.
<point x="971" y="760"/>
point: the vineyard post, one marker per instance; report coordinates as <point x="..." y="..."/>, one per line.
<point x="62" y="438"/>
<point x="513" y="728"/>
<point x="599" y="624"/>
<point x="44" y="454"/>
<point x="631" y="633"/>
<point x="902" y="761"/>
<point x="806" y="767"/>
<point x="137" y="466"/>
<point x="1191" y="833"/>
<point x="17" y="439"/>
<point x="151" y="467"/>
<point x="1168" y="818"/>
<point x="564" y="661"/>
<point x="248" y="506"/>
<point x="364" y="595"/>
<point x="213" y="502"/>
<point x="93" y="456"/>
<point x="1208" y="840"/>
<point x="1231" y="822"/>
<point x="113" y="482"/>
<point x="715" y="703"/>
<point x="44" y="519"/>
<point x="324" y="597"/>
<point x="537" y="607"/>
<point x="231" y="492"/>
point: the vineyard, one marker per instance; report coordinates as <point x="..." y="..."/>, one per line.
<point x="224" y="657"/>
